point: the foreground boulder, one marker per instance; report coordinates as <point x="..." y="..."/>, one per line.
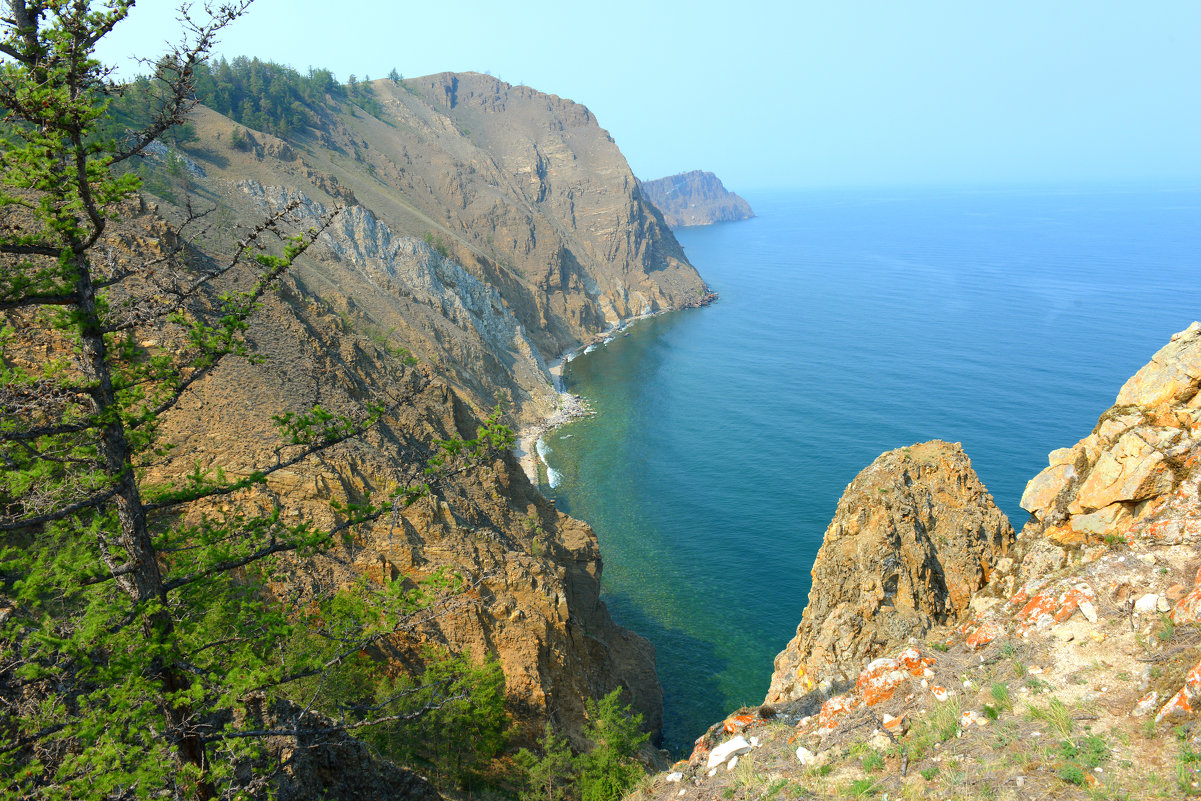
<point x="913" y="537"/>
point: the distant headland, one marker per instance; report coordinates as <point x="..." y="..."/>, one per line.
<point x="695" y="198"/>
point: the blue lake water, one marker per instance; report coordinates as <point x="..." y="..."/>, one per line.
<point x="849" y="323"/>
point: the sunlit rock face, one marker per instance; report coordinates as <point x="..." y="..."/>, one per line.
<point x="913" y="537"/>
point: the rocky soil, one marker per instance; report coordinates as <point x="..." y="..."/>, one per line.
<point x="695" y="198"/>
<point x="1071" y="672"/>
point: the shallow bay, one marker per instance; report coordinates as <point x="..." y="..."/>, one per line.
<point x="849" y="323"/>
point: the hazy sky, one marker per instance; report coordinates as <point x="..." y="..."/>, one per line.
<point x="802" y="93"/>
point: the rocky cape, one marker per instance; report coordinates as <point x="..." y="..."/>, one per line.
<point x="942" y="656"/>
<point x="695" y="198"/>
<point x="484" y="229"/>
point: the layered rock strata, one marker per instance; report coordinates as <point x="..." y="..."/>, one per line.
<point x="913" y="537"/>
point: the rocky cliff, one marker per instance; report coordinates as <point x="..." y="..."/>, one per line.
<point x="484" y="229"/>
<point x="695" y="198"/>
<point x="913" y="537"/>
<point x="1073" y="669"/>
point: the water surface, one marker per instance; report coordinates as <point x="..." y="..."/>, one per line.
<point x="849" y="323"/>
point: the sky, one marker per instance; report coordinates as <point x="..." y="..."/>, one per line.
<point x="808" y="93"/>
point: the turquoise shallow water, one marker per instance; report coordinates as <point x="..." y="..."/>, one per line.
<point x="849" y="323"/>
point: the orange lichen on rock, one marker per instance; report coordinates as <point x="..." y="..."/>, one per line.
<point x="914" y="662"/>
<point x="835" y="708"/>
<point x="984" y="634"/>
<point x="1038" y="612"/>
<point x="880" y="679"/>
<point x="1182" y="702"/>
<point x="737" y="723"/>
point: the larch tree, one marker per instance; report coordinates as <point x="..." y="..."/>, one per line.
<point x="135" y="626"/>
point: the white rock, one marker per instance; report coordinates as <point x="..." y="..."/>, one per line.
<point x="806" y="756"/>
<point x="712" y="773"/>
<point x="733" y="763"/>
<point x="1162" y="604"/>
<point x="728" y="749"/>
<point x="1089" y="611"/>
<point x="675" y="777"/>
<point x="1147" y="604"/>
<point x="682" y="792"/>
<point x="754" y="742"/>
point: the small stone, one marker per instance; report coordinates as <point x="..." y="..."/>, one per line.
<point x="1089" y="611"/>
<point x="675" y="777"/>
<point x="806" y="756"/>
<point x="1147" y="604"/>
<point x="712" y="773"/>
<point x="733" y="763"/>
<point x="880" y="741"/>
<point x="1162" y="605"/>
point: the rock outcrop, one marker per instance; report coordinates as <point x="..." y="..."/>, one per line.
<point x="695" y="198"/>
<point x="1134" y="456"/>
<point x="913" y="537"/>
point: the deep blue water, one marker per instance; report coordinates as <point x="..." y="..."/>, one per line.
<point x="849" y="323"/>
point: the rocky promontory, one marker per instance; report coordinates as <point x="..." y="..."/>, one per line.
<point x="913" y="537"/>
<point x="695" y="198"/>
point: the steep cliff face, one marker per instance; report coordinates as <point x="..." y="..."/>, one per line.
<point x="1076" y="670"/>
<point x="913" y="537"/>
<point x="485" y="228"/>
<point x="695" y="198"/>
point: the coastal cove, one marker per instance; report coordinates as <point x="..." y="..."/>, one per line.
<point x="849" y="323"/>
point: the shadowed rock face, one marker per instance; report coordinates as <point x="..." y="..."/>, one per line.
<point x="695" y="198"/>
<point x="914" y="536"/>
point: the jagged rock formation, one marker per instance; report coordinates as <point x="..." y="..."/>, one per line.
<point x="1134" y="455"/>
<point x="913" y="537"/>
<point x="695" y="198"/>
<point x="1077" y="673"/>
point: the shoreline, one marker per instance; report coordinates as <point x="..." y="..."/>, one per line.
<point x="572" y="407"/>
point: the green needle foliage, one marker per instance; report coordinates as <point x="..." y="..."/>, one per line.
<point x="138" y="644"/>
<point x="606" y="771"/>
